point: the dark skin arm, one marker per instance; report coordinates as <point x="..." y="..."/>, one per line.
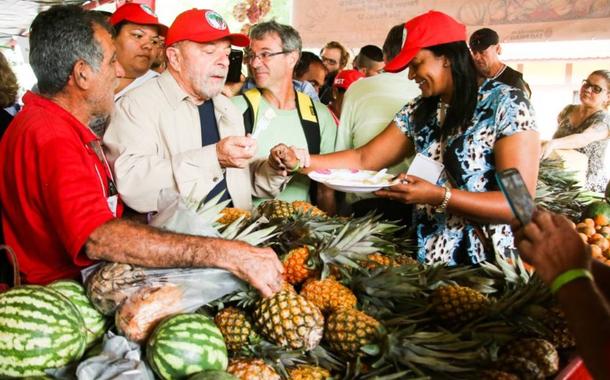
<point x="133" y="243"/>
<point x="552" y="246"/>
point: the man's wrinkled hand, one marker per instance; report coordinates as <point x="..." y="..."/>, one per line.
<point x="235" y="151"/>
<point x="261" y="268"/>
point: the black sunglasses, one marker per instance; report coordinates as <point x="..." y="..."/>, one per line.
<point x="595" y="88"/>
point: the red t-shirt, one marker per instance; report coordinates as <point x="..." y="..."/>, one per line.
<point x="53" y="190"/>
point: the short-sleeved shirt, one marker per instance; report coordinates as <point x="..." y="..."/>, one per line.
<point x="286" y="128"/>
<point x="53" y="190"/>
<point x="501" y="111"/>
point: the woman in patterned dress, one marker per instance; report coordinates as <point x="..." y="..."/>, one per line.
<point x="474" y="131"/>
<point x="586" y="128"/>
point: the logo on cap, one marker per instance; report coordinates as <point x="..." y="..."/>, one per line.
<point x="215" y="20"/>
<point x="147" y="9"/>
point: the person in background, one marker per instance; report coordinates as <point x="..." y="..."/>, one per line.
<point x="9" y="89"/>
<point x="177" y="131"/>
<point x="335" y="57"/>
<point x="369" y="61"/>
<point x="368" y="107"/>
<point x="486" y="49"/>
<point x="582" y="286"/>
<point x="472" y="130"/>
<point x="342" y="82"/>
<point x="138" y="42"/>
<point x="159" y="63"/>
<point x="586" y="128"/>
<point x="310" y="69"/>
<point x="68" y="218"/>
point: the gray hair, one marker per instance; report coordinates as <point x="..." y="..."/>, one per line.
<point x="59" y="37"/>
<point x="291" y="40"/>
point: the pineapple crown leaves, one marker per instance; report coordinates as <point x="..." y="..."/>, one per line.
<point x="250" y="233"/>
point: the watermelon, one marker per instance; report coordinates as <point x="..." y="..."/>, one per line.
<point x="597" y="208"/>
<point x="213" y="375"/>
<point x="39" y="329"/>
<point x="95" y="322"/>
<point x="185" y="344"/>
<point x="607" y="194"/>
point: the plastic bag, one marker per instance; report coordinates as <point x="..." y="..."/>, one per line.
<point x="119" y="360"/>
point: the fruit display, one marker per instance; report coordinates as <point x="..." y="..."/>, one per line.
<point x="356" y="304"/>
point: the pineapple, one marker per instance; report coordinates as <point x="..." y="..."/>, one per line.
<point x="306" y="207"/>
<point x="377" y="259"/>
<point x="252" y="369"/>
<point x="235" y="328"/>
<point x="308" y="372"/>
<point x="492" y="374"/>
<point x="458" y="303"/>
<point x="288" y="319"/>
<point x="296" y="268"/>
<point x="276" y="209"/>
<point x="540" y="351"/>
<point x="560" y="337"/>
<point x="524" y="369"/>
<point x="405" y="260"/>
<point x="347" y="330"/>
<point x="230" y="214"/>
<point x="328" y="295"/>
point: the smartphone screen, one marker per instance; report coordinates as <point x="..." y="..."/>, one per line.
<point x="235" y="61"/>
<point x="512" y="185"/>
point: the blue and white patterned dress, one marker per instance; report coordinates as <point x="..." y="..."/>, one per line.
<point x="501" y="111"/>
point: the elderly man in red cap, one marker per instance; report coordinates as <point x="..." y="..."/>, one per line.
<point x="179" y="132"/>
<point x="60" y="210"/>
<point x="137" y="42"/>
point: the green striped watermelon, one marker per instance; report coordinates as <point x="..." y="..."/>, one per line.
<point x="39" y="329"/>
<point x="185" y="344"/>
<point x="213" y="375"/>
<point x="95" y="322"/>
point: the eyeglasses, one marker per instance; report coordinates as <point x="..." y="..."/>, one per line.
<point x="329" y="61"/>
<point x="250" y="56"/>
<point x="595" y="88"/>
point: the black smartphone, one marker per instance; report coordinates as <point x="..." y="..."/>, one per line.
<point x="235" y="61"/>
<point x="512" y="185"/>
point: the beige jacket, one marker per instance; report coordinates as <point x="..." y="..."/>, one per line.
<point x="154" y="143"/>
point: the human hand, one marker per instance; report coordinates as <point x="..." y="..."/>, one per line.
<point x="283" y="159"/>
<point x="235" y="151"/>
<point x="260" y="267"/>
<point x="546" y="149"/>
<point x="551" y="244"/>
<point x="413" y="190"/>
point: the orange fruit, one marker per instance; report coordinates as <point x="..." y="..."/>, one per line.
<point x="601" y="220"/>
<point x="602" y="243"/>
<point x="589" y="222"/>
<point x="605" y="231"/>
<point x="589" y="231"/>
<point x="596" y="251"/>
<point x="584" y="237"/>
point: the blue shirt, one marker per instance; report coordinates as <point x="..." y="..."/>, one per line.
<point x="501" y="111"/>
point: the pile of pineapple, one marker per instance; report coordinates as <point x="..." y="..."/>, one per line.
<point x="596" y="232"/>
<point x="355" y="304"/>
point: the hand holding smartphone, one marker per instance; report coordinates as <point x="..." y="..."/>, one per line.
<point x="514" y="189"/>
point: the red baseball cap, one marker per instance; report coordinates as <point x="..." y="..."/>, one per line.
<point x="138" y="14"/>
<point x="429" y="29"/>
<point x="202" y="25"/>
<point x="345" y="78"/>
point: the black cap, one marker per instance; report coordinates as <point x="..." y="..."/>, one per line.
<point x="372" y="52"/>
<point x="483" y="38"/>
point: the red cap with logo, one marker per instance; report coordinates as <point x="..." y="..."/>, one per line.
<point x="138" y="14"/>
<point x="345" y="78"/>
<point x="202" y="25"/>
<point x="430" y="29"/>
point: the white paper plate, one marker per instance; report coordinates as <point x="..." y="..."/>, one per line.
<point x="352" y="180"/>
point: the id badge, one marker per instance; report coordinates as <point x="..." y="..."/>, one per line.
<point x="113" y="202"/>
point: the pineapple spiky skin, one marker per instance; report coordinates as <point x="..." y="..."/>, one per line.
<point x="540" y="351"/>
<point x="524" y="369"/>
<point x="231" y="214"/>
<point x="405" y="260"/>
<point x="295" y="266"/>
<point x="375" y="260"/>
<point x="347" y="330"/>
<point x="560" y="337"/>
<point x="306" y="207"/>
<point x="308" y="372"/>
<point x="235" y="328"/>
<point x="252" y="369"/>
<point x="276" y="209"/>
<point x="455" y="303"/>
<point x="289" y="320"/>
<point x="328" y="295"/>
<point x="492" y="374"/>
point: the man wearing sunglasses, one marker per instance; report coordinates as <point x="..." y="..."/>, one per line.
<point x="137" y="41"/>
<point x="485" y="48"/>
